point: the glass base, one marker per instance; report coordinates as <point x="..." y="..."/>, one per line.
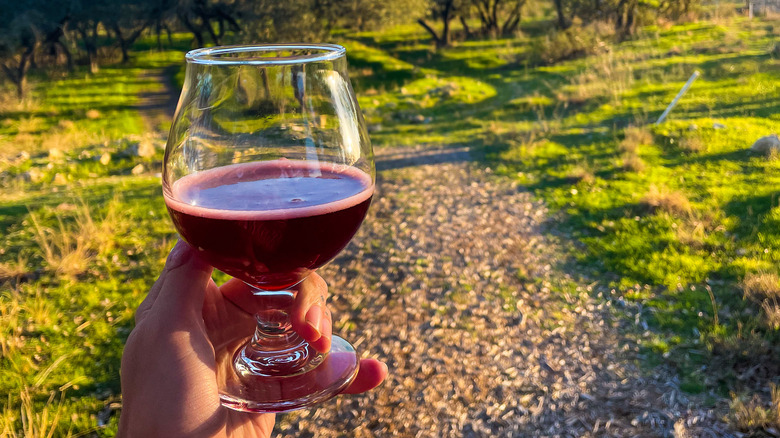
<point x="323" y="377"/>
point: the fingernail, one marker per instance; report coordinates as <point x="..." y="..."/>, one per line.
<point x="179" y="254"/>
<point x="384" y="366"/>
<point x="314" y="318"/>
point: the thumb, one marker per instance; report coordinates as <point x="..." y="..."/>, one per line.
<point x="184" y="281"/>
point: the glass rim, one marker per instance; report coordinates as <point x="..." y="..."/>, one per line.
<point x="216" y="55"/>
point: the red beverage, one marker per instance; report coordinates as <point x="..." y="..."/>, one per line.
<point x="270" y="223"/>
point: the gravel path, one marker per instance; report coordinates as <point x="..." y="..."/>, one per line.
<point x="449" y="281"/>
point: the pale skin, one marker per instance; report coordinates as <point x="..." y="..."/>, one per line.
<point x="169" y="385"/>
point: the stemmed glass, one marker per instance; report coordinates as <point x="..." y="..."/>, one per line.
<point x="269" y="172"/>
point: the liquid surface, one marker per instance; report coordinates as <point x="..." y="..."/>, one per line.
<point x="270" y="223"/>
<point x="270" y="189"/>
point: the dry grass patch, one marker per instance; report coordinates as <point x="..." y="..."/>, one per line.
<point x="669" y="201"/>
<point x="772" y="313"/>
<point x="762" y="285"/>
<point x="11" y="337"/>
<point x="694" y="231"/>
<point x="15" y="268"/>
<point x="634" y="137"/>
<point x="691" y="144"/>
<point x="581" y="173"/>
<point x="35" y="422"/>
<point x="68" y="247"/>
<point x="754" y="417"/>
<point x="764" y="289"/>
<point x="633" y="163"/>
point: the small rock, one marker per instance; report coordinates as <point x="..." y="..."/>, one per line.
<point x="418" y="118"/>
<point x="130" y="151"/>
<point x="403" y="90"/>
<point x="146" y="149"/>
<point x="66" y="124"/>
<point x="693" y="127"/>
<point x="23" y="156"/>
<point x="767" y="144"/>
<point x="34" y="174"/>
<point x="93" y="114"/>
<point x="55" y="154"/>
<point x="445" y="91"/>
<point x="139" y="169"/>
<point x="60" y="179"/>
<point x="105" y="159"/>
<point x="375" y="128"/>
<point x="717" y="125"/>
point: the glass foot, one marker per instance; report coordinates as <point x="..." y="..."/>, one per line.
<point x="323" y="377"/>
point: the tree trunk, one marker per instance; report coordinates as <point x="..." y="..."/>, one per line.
<point x="620" y="15"/>
<point x="168" y="33"/>
<point x="513" y="20"/>
<point x="207" y="24"/>
<point x="430" y="30"/>
<point x="122" y="41"/>
<point x="68" y="56"/>
<point x="465" y="25"/>
<point x="158" y="31"/>
<point x="266" y="85"/>
<point x="90" y="46"/>
<point x="562" y="23"/>
<point x="494" y="18"/>
<point x="94" y="67"/>
<point x="18" y="74"/>
<point x="193" y="30"/>
<point x="629" y="30"/>
<point x="446" y="17"/>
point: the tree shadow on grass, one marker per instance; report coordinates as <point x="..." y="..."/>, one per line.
<point x="411" y="158"/>
<point x="751" y="213"/>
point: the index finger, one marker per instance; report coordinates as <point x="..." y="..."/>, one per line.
<point x="309" y="316"/>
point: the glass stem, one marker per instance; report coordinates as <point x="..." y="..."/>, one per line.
<point x="275" y="348"/>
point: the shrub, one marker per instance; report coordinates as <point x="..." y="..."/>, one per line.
<point x="753" y="416"/>
<point x="574" y="42"/>
<point x="635" y="137"/>
<point x="691" y="144"/>
<point x="663" y="199"/>
<point x="762" y="285"/>
<point x="581" y="173"/>
<point x="633" y="163"/>
<point x="764" y="289"/>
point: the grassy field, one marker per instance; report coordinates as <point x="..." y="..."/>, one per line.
<point x="679" y="220"/>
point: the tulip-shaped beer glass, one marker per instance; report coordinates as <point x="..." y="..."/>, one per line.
<point x="269" y="172"/>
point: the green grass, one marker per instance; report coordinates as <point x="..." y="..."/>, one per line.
<point x="661" y="222"/>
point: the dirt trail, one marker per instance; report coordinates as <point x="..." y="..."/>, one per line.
<point x="157" y="107"/>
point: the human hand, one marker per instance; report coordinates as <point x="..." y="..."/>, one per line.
<point x="169" y="385"/>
